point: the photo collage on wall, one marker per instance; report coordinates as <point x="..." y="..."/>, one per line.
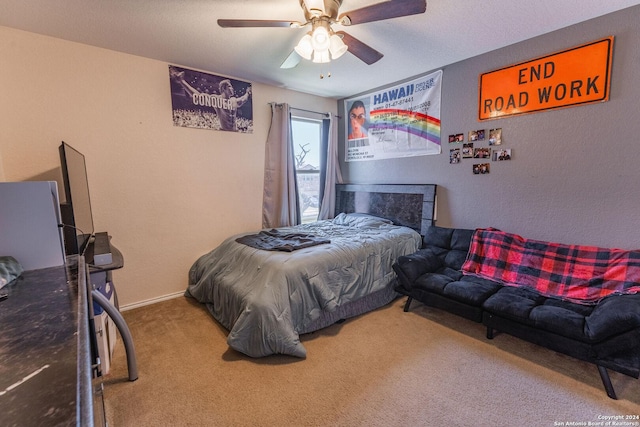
<point x="474" y="148"/>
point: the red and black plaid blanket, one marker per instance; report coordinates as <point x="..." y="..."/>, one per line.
<point x="581" y="274"/>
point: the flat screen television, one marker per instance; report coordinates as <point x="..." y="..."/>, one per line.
<point x="77" y="217"/>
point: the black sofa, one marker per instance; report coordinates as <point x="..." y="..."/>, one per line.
<point x="606" y="334"/>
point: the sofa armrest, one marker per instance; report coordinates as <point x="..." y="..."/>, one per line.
<point x="615" y="314"/>
<point x="410" y="267"/>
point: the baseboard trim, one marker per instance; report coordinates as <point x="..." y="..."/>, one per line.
<point x="151" y="301"/>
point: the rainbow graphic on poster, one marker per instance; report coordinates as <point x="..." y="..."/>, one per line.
<point x="398" y="121"/>
<point x="410" y="122"/>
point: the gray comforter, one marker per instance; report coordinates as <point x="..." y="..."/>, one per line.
<point x="264" y="298"/>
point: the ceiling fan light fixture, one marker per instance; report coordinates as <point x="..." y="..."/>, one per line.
<point x="321" y="45"/>
<point x="337" y="46"/>
<point x="321" y="57"/>
<point x="304" y="47"/>
<point x="320" y="39"/>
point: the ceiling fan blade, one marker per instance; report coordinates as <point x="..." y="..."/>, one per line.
<point x="385" y="10"/>
<point x="292" y="60"/>
<point x="364" y="52"/>
<point x="248" y="23"/>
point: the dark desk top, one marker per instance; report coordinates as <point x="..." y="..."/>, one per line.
<point x="39" y="349"/>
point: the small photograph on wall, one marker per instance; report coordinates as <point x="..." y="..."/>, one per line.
<point x="481" y="153"/>
<point x="502" y="154"/>
<point x="495" y="136"/>
<point x="454" y="156"/>
<point x="476" y="135"/>
<point x="467" y="150"/>
<point x="458" y="137"/>
<point x="481" y="168"/>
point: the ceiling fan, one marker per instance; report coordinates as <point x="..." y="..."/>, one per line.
<point x="322" y="43"/>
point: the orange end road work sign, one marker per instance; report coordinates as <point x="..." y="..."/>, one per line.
<point x="577" y="76"/>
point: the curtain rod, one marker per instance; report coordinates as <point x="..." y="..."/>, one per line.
<point x="302" y="109"/>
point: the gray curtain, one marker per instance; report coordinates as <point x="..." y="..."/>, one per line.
<point x="331" y="170"/>
<point x="280" y="207"/>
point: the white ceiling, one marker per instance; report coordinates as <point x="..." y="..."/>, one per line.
<point x="185" y="33"/>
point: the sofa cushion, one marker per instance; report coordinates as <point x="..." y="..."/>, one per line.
<point x="613" y="316"/>
<point x="472" y="291"/>
<point x="438" y="236"/>
<point x="583" y="310"/>
<point x="513" y="303"/>
<point x="461" y="239"/>
<point x="452" y="273"/>
<point x="560" y="320"/>
<point x="454" y="259"/>
<point x="435" y="282"/>
<point x="453" y="241"/>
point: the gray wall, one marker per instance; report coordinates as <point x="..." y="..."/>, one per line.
<point x="575" y="172"/>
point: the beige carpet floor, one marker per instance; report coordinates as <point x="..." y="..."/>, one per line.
<point x="384" y="368"/>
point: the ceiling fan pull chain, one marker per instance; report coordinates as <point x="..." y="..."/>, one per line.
<point x="322" y="75"/>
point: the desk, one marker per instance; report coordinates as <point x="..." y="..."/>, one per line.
<point x="45" y="370"/>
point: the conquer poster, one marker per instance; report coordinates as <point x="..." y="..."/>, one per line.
<point x="207" y="101"/>
<point x="399" y="121"/>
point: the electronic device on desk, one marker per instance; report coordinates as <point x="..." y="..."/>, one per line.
<point x="77" y="218"/>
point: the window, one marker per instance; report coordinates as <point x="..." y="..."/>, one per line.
<point x="307" y="137"/>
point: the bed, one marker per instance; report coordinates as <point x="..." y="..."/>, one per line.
<point x="267" y="298"/>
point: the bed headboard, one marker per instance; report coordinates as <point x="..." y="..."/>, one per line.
<point x="410" y="205"/>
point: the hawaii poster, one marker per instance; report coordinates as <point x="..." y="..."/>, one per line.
<point x="399" y="121"/>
